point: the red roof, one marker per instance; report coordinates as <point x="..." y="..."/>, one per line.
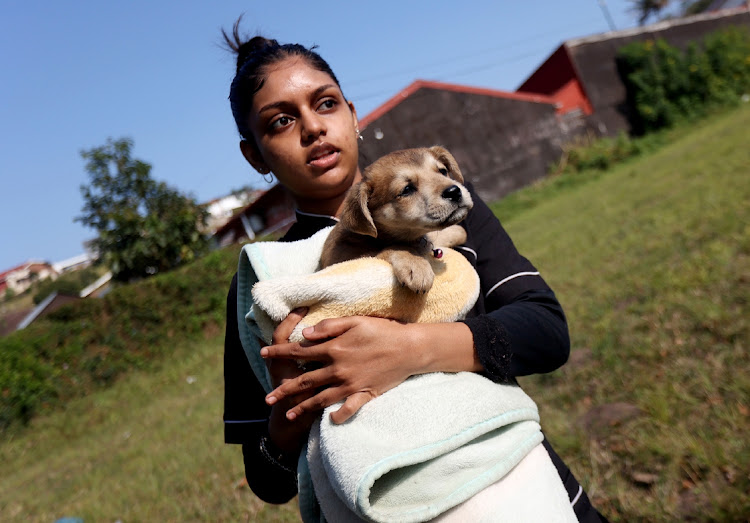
<point x="425" y="84"/>
<point x="24" y="265"/>
<point x="4" y="274"/>
<point x="558" y="77"/>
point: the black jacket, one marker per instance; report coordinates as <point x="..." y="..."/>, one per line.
<point x="518" y="326"/>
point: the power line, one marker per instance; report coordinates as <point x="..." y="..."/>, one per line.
<point x="463" y="57"/>
<point x="464" y="72"/>
<point x="608" y="16"/>
<point x="492" y="65"/>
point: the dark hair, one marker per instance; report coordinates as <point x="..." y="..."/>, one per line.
<point x="254" y="56"/>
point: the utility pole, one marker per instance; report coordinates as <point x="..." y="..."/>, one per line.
<point x="605" y="10"/>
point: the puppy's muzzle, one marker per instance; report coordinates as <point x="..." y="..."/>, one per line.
<point x="452" y="193"/>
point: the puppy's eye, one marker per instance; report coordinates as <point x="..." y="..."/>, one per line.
<point x="409" y="189"/>
<point x="443" y="171"/>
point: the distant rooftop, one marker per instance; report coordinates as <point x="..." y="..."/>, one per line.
<point x="660" y="26"/>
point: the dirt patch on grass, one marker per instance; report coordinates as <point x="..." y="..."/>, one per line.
<point x="598" y="421"/>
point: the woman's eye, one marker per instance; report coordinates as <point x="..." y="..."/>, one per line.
<point x="327" y="104"/>
<point x="443" y="171"/>
<point x="409" y="189"/>
<point x="280" y="122"/>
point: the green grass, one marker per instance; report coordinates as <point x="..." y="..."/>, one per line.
<point x="148" y="449"/>
<point x="86" y="345"/>
<point x="651" y="263"/>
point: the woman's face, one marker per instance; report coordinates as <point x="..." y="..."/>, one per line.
<point x="305" y="133"/>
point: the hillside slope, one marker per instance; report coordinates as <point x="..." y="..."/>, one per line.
<point x="650" y="261"/>
<point x="652" y="264"/>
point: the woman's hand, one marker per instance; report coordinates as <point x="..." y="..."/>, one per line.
<point x="362" y="358"/>
<point x="287" y="436"/>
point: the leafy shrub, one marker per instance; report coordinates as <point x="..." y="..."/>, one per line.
<point x="590" y="153"/>
<point x="24" y="382"/>
<point x="666" y="85"/>
<point x="87" y="344"/>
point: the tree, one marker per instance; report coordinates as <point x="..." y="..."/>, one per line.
<point x="645" y="8"/>
<point x="143" y="226"/>
<point x="694" y="7"/>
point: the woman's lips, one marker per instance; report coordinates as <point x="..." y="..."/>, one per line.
<point x="324" y="157"/>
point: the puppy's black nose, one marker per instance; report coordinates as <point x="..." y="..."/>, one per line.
<point x="452" y="193"/>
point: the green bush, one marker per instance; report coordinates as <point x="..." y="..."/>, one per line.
<point x="591" y="153"/>
<point x="24" y="382"/>
<point x="599" y="154"/>
<point x="85" y="345"/>
<point x="666" y="85"/>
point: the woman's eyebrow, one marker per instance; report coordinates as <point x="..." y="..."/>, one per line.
<point x="273" y="105"/>
<point x="320" y="90"/>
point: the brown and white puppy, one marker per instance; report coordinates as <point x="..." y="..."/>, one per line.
<point x="403" y="201"/>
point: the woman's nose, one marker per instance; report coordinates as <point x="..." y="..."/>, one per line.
<point x="313" y="126"/>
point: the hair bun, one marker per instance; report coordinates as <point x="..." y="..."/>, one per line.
<point x="246" y="50"/>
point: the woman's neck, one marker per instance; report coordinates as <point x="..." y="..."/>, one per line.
<point x="330" y="207"/>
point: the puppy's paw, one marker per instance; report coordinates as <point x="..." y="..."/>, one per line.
<point x="417" y="277"/>
<point x="448" y="237"/>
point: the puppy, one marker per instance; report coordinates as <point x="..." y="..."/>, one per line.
<point x="404" y="200"/>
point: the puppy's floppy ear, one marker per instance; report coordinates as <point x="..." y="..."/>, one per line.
<point x="355" y="216"/>
<point x="447" y="159"/>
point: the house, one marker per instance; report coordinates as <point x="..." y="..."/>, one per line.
<point x="51" y="303"/>
<point x="221" y="210"/>
<point x="20" y="278"/>
<point x="271" y="213"/>
<point x="98" y="288"/>
<point x="22" y="318"/>
<point x="583" y="72"/>
<point x="75" y="263"/>
<point x="501" y="140"/>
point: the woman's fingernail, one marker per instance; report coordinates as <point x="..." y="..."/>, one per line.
<point x="300" y="310"/>
<point x="291" y="416"/>
<point x="263" y="352"/>
<point x="308" y="330"/>
<point x="270" y="400"/>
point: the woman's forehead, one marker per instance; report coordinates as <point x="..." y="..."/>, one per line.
<point x="288" y="79"/>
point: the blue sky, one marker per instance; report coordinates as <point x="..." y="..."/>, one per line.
<point x="75" y="73"/>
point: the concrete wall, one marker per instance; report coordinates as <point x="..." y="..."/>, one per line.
<point x="501" y="144"/>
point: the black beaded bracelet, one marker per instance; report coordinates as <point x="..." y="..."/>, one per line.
<point x="274" y="456"/>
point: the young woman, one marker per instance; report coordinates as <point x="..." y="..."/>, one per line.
<point x="295" y="122"/>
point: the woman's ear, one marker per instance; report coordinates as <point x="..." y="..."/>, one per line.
<point x="253" y="157"/>
<point x="354" y="114"/>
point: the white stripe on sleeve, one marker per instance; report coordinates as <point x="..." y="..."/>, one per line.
<point x="511" y="277"/>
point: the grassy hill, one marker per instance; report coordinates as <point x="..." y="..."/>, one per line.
<point x="86" y="345"/>
<point x="650" y="261"/>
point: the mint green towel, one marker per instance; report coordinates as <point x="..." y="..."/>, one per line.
<point x="420" y="450"/>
